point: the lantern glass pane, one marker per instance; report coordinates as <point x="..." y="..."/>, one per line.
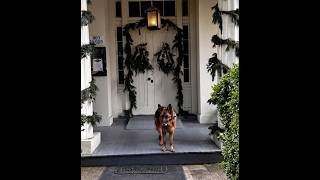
<point x="152" y="19"/>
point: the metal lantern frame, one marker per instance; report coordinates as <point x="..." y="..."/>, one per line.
<point x="153" y="18"/>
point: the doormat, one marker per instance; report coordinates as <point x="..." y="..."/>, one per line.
<point x="141" y="170"/>
<point x="144" y="172"/>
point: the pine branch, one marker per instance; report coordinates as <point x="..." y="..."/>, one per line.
<point x="216" y="40"/>
<point x="165" y="59"/>
<point x="93" y="119"/>
<point x="216" y="16"/>
<point x="140" y="61"/>
<point x="216" y="66"/>
<point x="86" y="18"/>
<point x="178" y="44"/>
<point x="89" y="93"/>
<point x="234" y="14"/>
<point x="86" y="50"/>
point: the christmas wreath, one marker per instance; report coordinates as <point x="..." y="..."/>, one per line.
<point x="165" y="59"/>
<point x="140" y="60"/>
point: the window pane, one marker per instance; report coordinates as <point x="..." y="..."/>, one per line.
<point x="186" y="47"/>
<point x="119" y="34"/>
<point x="118" y="9"/>
<point x="120" y="63"/>
<point x="144" y="6"/>
<point x="185" y="8"/>
<point x="159" y="5"/>
<point x="185" y="32"/>
<point x="169" y="8"/>
<point x="186" y="61"/>
<point x="120" y="48"/>
<point x="121" y="77"/>
<point x="134" y="9"/>
<point x="186" y="75"/>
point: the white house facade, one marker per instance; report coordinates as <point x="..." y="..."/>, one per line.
<point x="155" y="87"/>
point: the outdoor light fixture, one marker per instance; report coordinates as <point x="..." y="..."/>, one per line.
<point x="153" y="17"/>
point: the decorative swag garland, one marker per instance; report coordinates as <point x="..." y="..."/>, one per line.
<point x="128" y="61"/>
<point x="165" y="59"/>
<point x="87" y="50"/>
<point x="217" y="16"/>
<point x="89" y="93"/>
<point x="214" y="64"/>
<point x="216" y="40"/>
<point x="86" y="18"/>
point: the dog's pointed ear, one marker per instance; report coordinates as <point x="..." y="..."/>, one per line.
<point x="159" y="106"/>
<point x="170" y="108"/>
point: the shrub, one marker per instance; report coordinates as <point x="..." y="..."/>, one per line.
<point x="226" y="96"/>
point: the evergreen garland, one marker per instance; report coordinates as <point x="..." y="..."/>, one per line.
<point x="140" y="61"/>
<point x="215" y="65"/>
<point x="177" y="70"/>
<point x="128" y="86"/>
<point x="217" y="16"/>
<point x="165" y="59"/>
<point x="87" y="49"/>
<point x="88" y="94"/>
<point x="216" y="40"/>
<point x="178" y="44"/>
<point x="93" y="119"/>
<point x="234" y="14"/>
<point x="86" y="18"/>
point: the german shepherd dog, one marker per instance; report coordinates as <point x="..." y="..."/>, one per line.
<point x="165" y="121"/>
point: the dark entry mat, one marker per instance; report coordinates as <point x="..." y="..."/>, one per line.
<point x="144" y="172"/>
<point x="141" y="170"/>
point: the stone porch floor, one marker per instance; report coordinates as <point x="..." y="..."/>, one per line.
<point x="118" y="140"/>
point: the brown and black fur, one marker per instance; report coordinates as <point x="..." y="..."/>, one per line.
<point x="165" y="121"/>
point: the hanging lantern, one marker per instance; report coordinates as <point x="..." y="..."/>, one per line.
<point x="153" y="17"/>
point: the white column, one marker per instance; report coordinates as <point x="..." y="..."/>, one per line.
<point x="101" y="26"/>
<point x="85" y="78"/>
<point x="205" y="30"/>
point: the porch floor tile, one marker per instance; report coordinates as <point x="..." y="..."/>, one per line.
<point x="191" y="137"/>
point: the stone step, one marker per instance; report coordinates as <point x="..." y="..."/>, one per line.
<point x="153" y="159"/>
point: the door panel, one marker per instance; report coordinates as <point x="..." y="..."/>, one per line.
<point x="160" y="89"/>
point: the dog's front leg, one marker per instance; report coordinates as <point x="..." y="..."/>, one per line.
<point x="171" y="141"/>
<point x="160" y="136"/>
<point x="163" y="140"/>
